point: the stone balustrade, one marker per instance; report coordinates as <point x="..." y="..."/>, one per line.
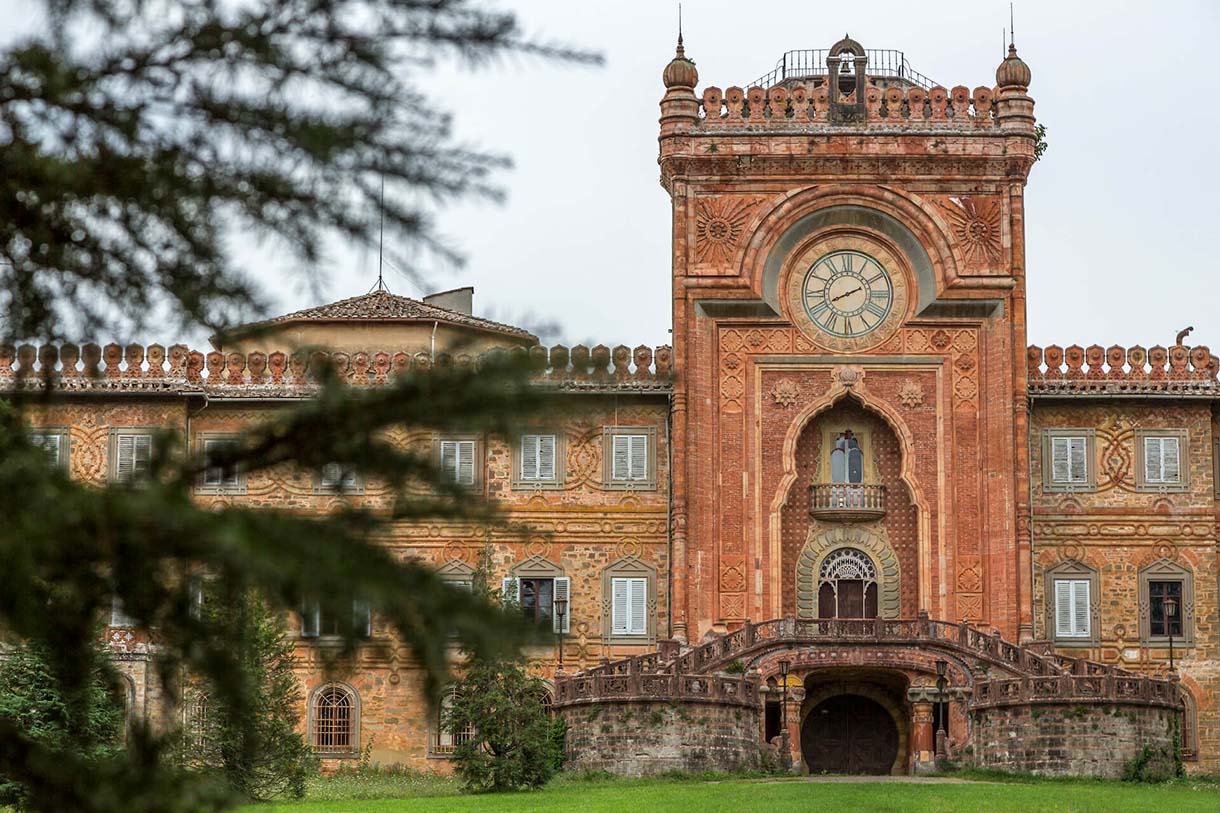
<point x="140" y="368"/>
<point x="913" y="108"/>
<point x="1024" y="673"/>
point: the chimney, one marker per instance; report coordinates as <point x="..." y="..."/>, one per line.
<point x="459" y="299"/>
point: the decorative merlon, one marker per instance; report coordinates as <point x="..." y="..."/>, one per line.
<point x="136" y="368"/>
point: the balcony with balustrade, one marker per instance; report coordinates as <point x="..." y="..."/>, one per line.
<point x="846" y="502"/>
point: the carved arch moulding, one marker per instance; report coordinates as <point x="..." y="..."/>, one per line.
<point x="822" y="543"/>
<point x="916" y="227"/>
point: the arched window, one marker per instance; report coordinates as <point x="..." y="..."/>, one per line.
<point x="847" y="460"/>
<point x="334" y="721"/>
<point x="847" y="585"/>
<point x="445" y="742"/>
<point x="196" y="724"/>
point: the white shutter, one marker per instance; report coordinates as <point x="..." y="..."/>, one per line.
<point x="119" y="618"/>
<point x="562" y="589"/>
<point x="1060" y="461"/>
<point x="639" y="457"/>
<point x="332" y="474"/>
<point x="1154" y="471"/>
<point x="638" y="607"/>
<point x="510" y="590"/>
<point x="1080" y="608"/>
<point x="449" y="464"/>
<point x="1078" y="460"/>
<point x="142" y="455"/>
<point x="50" y="445"/>
<point x="1170" y="457"/>
<point x="620" y="462"/>
<point x="362" y="618"/>
<point x="311" y="619"/>
<point x="620" y="613"/>
<point x="546" y="457"/>
<point x="529" y="457"/>
<point x="134" y="453"/>
<point x="465" y="474"/>
<point x="125" y="453"/>
<point x="1072" y="608"/>
<point x="1063" y="608"/>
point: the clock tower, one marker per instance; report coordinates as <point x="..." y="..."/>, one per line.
<point x="850" y="417"/>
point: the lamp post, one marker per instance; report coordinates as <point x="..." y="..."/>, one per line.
<point x="1171" y="611"/>
<point x="561" y="610"/>
<point x="785" y="666"/>
<point x="942" y="683"/>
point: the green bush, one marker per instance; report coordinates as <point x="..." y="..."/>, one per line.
<point x="30" y="695"/>
<point x="516" y="745"/>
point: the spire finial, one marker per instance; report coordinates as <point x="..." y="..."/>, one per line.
<point x="1012" y="33"/>
<point x="679" y="25"/>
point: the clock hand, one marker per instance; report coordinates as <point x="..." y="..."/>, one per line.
<point x="849" y="293"/>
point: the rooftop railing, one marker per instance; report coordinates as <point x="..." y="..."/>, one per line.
<point x="809" y="63"/>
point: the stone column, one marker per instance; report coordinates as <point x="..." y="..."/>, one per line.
<point x="796" y="697"/>
<point x="923" y="748"/>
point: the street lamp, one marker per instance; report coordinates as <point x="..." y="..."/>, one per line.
<point x="1171" y="611"/>
<point x="561" y="609"/>
<point x="942" y="668"/>
<point x="785" y="666"/>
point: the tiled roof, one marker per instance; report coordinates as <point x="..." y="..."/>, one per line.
<point x="385" y="305"/>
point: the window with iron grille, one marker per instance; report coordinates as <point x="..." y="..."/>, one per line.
<point x="334" y="721"/>
<point x="444" y="741"/>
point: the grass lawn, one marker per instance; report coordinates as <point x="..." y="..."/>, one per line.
<point x="389" y="793"/>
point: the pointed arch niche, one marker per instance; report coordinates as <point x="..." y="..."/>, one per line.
<point x="898" y="543"/>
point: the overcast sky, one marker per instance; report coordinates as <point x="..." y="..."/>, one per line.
<point x="1120" y="211"/>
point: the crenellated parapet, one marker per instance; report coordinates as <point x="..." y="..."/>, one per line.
<point x="142" y="369"/>
<point x="1097" y="370"/>
<point x="892" y="107"/>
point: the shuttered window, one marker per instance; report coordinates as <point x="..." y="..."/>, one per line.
<point x="629" y="613"/>
<point x="457" y="461"/>
<point x="216" y="476"/>
<point x="629" y="460"/>
<point x="537" y="458"/>
<point x="119" y="618"/>
<point x="339" y="477"/>
<point x="1162" y="460"/>
<point x="537" y="596"/>
<point x="52" y="444"/>
<point x="1069" y="460"/>
<point x="132" y="457"/>
<point x="1072" y="608"/>
<point x="316" y="622"/>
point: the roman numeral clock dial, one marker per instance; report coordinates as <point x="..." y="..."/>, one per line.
<point x="848" y="294"/>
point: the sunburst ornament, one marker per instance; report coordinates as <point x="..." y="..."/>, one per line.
<point x="719" y="224"/>
<point x="976" y="223"/>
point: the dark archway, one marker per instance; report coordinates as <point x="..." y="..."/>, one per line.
<point x="849" y="734"/>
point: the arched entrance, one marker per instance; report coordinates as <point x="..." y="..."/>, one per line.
<point x="849" y="734"/>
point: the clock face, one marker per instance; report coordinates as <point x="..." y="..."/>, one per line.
<point x="848" y="293"/>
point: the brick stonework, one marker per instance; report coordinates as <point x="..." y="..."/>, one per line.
<point x="765" y="183"/>
<point x="1069" y="741"/>
<point x="640" y="738"/>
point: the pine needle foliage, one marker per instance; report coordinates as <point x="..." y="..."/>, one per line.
<point x="138" y="140"/>
<point x="266" y="757"/>
<point x="516" y="744"/>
